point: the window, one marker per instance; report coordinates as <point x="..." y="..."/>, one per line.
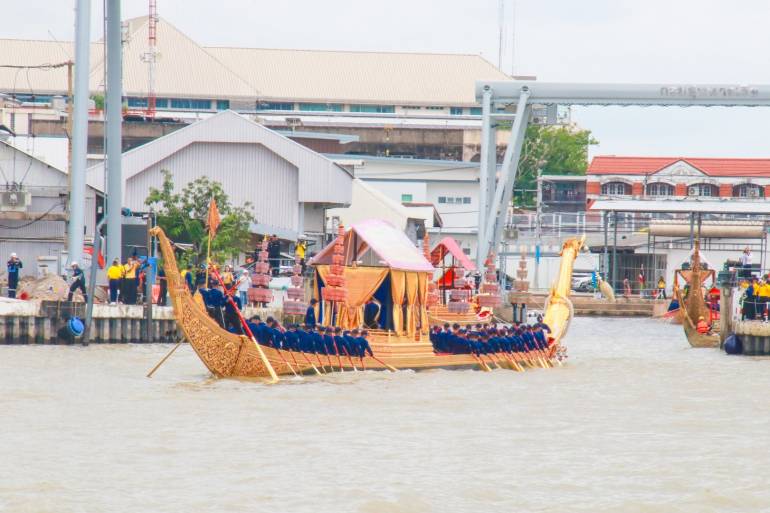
<point x="406" y="198"/>
<point x="475" y="111"/>
<point x="748" y="190"/>
<point x="702" y="189"/>
<point x="321" y="107"/>
<point x="374" y="109"/>
<point x="161" y="103"/>
<point x="223" y="104"/>
<point x="32" y="98"/>
<point x="411" y="107"/>
<point x="466" y="200"/>
<point x="433" y="107"/>
<point x="190" y="104"/>
<point x="616" y="189"/>
<point x="456" y="111"/>
<point x="137" y="102"/>
<point x="275" y="106"/>
<point x="467" y="251"/>
<point x="442" y="199"/>
<point x="660" y="189"/>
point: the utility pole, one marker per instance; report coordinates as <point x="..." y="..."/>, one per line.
<point x="70" y="101"/>
<point x="79" y="132"/>
<point x="114" y="132"/>
<point x="538" y="225"/>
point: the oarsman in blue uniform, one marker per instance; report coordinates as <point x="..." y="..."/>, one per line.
<point x="540" y="324"/>
<point x="363" y="344"/>
<point x="350" y="343"/>
<point x="539" y="335"/>
<point x="310" y="314"/>
<point x="328" y="339"/>
<point x="277" y="335"/>
<point x="305" y="340"/>
<point x="318" y="341"/>
<point x="253" y="324"/>
<point x="13" y="266"/>
<point x="339" y="340"/>
<point x="291" y="339"/>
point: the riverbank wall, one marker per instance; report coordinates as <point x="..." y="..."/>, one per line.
<point x="45" y="322"/>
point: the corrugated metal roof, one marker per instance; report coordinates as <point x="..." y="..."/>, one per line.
<point x="320" y="179"/>
<point x="367" y="77"/>
<point x="185" y="69"/>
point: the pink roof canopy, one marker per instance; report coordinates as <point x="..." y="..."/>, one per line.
<point x="390" y="245"/>
<point x="449" y="246"/>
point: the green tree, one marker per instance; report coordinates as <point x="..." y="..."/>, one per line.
<point x="554" y="150"/>
<point x="98" y="101"/>
<point x="183" y="217"/>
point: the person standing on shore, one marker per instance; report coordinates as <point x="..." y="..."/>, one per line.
<point x="746" y="263"/>
<point x="300" y="252"/>
<point x="244" y="284"/>
<point x="114" y="276"/>
<point x="130" y="280"/>
<point x="274" y="254"/>
<point x="78" y="282"/>
<point x="163" y="286"/>
<point x="14" y="264"/>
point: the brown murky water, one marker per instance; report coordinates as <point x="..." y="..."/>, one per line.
<point x="636" y="421"/>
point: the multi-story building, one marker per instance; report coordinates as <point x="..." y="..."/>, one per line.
<point x="661" y="177"/>
<point x="420" y="105"/>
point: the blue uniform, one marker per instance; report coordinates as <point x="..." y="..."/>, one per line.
<point x="13" y="276"/>
<point x="305" y="341"/>
<point x="318" y="342"/>
<point x="329" y="344"/>
<point x="310" y="316"/>
<point x="291" y="341"/>
<point x="278" y="338"/>
<point x="363" y="347"/>
<point x="342" y="345"/>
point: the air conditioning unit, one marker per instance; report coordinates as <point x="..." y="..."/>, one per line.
<point x="15" y="201"/>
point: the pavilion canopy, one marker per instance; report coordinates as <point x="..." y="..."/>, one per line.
<point x="390" y="247"/>
<point x="448" y="246"/>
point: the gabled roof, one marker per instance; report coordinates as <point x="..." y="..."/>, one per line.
<point x="725" y="167"/>
<point x="182" y="66"/>
<point x="320" y="179"/>
<point x="185" y="69"/>
<point x="448" y="246"/>
<point x="367" y="77"/>
<point x="391" y="245"/>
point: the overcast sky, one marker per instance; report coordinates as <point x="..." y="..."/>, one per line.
<point x="653" y="41"/>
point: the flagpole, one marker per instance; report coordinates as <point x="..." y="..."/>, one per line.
<point x="208" y="260"/>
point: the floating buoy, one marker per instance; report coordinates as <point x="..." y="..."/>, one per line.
<point x="733" y="345"/>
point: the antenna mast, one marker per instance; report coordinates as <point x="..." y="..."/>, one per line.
<point x="151" y="56"/>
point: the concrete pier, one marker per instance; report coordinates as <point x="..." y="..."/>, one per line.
<point x="44" y="322"/>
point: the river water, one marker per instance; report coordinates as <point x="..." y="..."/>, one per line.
<point x="635" y="421"/>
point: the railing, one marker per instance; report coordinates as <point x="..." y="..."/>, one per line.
<point x="568" y="223"/>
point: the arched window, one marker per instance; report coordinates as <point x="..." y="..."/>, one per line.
<point x="616" y="189"/>
<point x="660" y="189"/>
<point x="702" y="189"/>
<point x="748" y="190"/>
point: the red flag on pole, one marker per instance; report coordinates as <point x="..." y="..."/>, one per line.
<point x="213" y="219"/>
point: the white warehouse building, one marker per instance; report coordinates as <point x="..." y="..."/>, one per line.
<point x="289" y="186"/>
